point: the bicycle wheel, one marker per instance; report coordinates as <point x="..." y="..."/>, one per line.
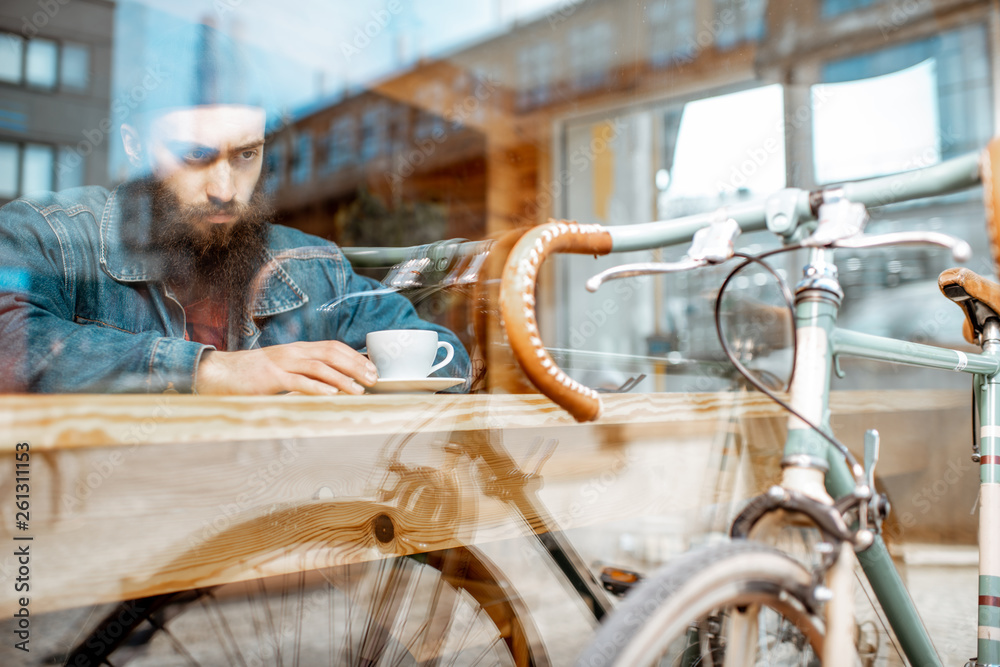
<point x="708" y="601"/>
<point x="394" y="611"/>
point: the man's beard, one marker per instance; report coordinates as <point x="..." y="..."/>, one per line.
<point x="200" y="259"/>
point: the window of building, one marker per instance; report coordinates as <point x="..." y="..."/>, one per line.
<point x="535" y="73"/>
<point x="399" y="129"/>
<point x="723" y="149"/>
<point x="902" y="107"/>
<point x="341" y="150"/>
<point x="373" y="130"/>
<point x="38" y="168"/>
<point x="836" y="7"/>
<point x="10" y="158"/>
<point x="302" y="158"/>
<point x="429" y="125"/>
<point x="74" y="66"/>
<point x="42" y="63"/>
<point x="592" y="57"/>
<point x="11" y="57"/>
<point x="27" y="168"/>
<point x="274" y="158"/>
<point x="671" y="32"/>
<point x="70" y="169"/>
<point x="739" y="21"/>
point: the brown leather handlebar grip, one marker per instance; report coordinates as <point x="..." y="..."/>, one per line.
<point x="989" y="172"/>
<point x="517" y="307"/>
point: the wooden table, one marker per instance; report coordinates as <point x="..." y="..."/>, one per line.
<point x="135" y="495"/>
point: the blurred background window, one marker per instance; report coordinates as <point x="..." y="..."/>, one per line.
<point x="74" y="66"/>
<point x="42" y="67"/>
<point x="10" y="158"/>
<point x="38" y="166"/>
<point x="11" y="57"/>
<point x="415" y="122"/>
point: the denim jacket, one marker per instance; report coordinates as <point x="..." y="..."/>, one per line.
<point x="82" y="311"/>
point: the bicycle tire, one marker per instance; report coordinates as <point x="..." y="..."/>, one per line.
<point x="680" y="614"/>
<point x="434" y="608"/>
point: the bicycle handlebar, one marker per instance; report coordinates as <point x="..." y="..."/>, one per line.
<point x="944" y="178"/>
<point x="517" y="307"/>
<point x="517" y="300"/>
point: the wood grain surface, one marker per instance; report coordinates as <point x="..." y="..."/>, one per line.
<point x="135" y="495"/>
<point x="67" y="421"/>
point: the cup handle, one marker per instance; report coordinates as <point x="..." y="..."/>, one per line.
<point x="447" y="357"/>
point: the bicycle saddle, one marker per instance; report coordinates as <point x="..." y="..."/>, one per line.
<point x="979" y="297"/>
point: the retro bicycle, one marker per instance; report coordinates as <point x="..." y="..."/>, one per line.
<point x="744" y="601"/>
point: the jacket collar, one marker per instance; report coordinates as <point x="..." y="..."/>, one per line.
<point x="125" y="235"/>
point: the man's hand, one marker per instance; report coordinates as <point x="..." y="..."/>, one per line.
<point x="318" y="368"/>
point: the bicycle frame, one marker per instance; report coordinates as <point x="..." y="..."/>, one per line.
<point x="809" y="459"/>
<point x="812" y="466"/>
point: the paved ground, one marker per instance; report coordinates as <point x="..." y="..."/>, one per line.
<point x="944" y="585"/>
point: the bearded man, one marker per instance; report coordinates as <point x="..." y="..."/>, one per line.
<point x="177" y="281"/>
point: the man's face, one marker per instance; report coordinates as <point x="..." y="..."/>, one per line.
<point x="209" y="158"/>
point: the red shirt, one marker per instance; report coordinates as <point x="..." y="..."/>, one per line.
<point x="206" y="323"/>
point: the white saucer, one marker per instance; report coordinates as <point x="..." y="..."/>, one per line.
<point x="415" y="386"/>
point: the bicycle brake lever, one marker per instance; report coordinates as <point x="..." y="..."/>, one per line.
<point x="961" y="251"/>
<point x="641" y="269"/>
<point x="713" y="244"/>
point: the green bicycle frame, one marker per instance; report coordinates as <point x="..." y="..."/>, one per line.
<point x="821" y="343"/>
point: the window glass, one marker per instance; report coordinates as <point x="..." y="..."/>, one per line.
<point x="74" y="66"/>
<point x="70" y="168"/>
<point x="664" y="162"/>
<point x="342" y="144"/>
<point x="536" y="73"/>
<point x="302" y="168"/>
<point x="403" y="123"/>
<point x="739" y="21"/>
<point x="9" y="169"/>
<point x="11" y="57"/>
<point x="944" y="79"/>
<point x="726" y="148"/>
<point x="836" y="7"/>
<point x="42" y="63"/>
<point x="38" y="168"/>
<point x="591" y="54"/>
<point x="881" y="125"/>
<point x="671" y="34"/>
<point x="274" y="160"/>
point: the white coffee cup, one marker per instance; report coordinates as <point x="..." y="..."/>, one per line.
<point x="406" y="354"/>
